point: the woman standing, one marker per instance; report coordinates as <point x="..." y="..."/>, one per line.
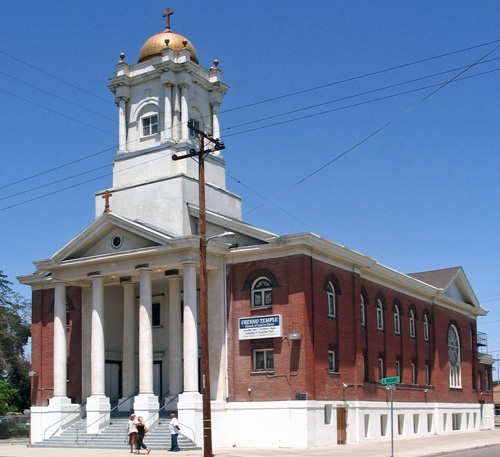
<point x="132" y="433"/>
<point x="141" y="431"/>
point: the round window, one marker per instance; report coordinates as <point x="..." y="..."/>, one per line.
<point x="116" y="241"/>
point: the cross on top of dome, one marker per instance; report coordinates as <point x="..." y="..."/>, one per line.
<point x="168" y="12"/>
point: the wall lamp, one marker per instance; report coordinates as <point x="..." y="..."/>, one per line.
<point x="295" y="336"/>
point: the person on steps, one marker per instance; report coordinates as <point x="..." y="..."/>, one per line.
<point x="174" y="432"/>
<point x="132" y="433"/>
<point x="141" y="431"/>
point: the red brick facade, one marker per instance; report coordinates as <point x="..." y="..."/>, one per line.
<point x="302" y="367"/>
<point x="42" y="354"/>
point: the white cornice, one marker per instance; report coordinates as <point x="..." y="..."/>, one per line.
<point x="348" y="259"/>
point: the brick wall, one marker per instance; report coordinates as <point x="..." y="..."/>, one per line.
<point x="303" y="367"/>
<point x="42" y="353"/>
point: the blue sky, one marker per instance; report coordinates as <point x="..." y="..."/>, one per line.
<point x="421" y="194"/>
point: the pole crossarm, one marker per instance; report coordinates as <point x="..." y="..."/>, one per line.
<point x="195" y="153"/>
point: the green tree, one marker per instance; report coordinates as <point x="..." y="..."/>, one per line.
<point x="15" y="331"/>
<point x="7" y="397"/>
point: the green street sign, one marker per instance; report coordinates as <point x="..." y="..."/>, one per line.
<point x="392" y="380"/>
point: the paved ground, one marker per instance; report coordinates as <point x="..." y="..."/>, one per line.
<point x="410" y="447"/>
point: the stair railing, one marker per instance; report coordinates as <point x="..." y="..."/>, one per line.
<point x="60" y="420"/>
<point x="111" y="410"/>
<point x="162" y="408"/>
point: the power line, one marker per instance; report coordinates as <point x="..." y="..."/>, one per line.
<point x="380" y="89"/>
<point x="55" y="77"/>
<point x="271" y="125"/>
<point x="354" y="78"/>
<point x="239" y="133"/>
<point x="275" y="116"/>
<point x="316" y="114"/>
<point x="55" y="112"/>
<point x="377" y="131"/>
<point x="36" y="175"/>
<point x="243" y="106"/>
<point x="350" y="106"/>
<point x="57" y="96"/>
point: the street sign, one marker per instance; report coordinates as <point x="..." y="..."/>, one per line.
<point x="392" y="380"/>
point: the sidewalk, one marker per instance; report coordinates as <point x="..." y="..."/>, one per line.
<point x="411" y="447"/>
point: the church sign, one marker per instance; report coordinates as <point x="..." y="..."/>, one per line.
<point x="251" y="328"/>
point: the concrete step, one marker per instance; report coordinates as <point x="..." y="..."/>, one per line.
<point x="114" y="437"/>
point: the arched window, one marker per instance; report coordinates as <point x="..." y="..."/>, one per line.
<point x="332" y="300"/>
<point x="262" y="293"/>
<point x="197" y="125"/>
<point x="363" y="312"/>
<point x="426" y="328"/>
<point x="149" y="124"/>
<point x="397" y="320"/>
<point x="454" y="357"/>
<point x="411" y="316"/>
<point x="380" y="315"/>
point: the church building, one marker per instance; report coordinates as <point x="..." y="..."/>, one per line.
<point x="308" y="340"/>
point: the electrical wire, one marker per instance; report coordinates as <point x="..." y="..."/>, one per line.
<point x="354" y="78"/>
<point x="380" y="129"/>
<point x="267" y="126"/>
<point x="267" y="200"/>
<point x="56" y="112"/>
<point x="380" y="89"/>
<point x="346" y="152"/>
<point x="74" y="86"/>
<point x="386" y="97"/>
<point x="221" y="112"/>
<point x="57" y="96"/>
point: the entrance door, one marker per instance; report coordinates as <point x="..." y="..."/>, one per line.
<point x="341" y="425"/>
<point x="157" y="380"/>
<point x="113" y="380"/>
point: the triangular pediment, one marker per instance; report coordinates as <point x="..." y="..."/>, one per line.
<point x="453" y="281"/>
<point x="110" y="234"/>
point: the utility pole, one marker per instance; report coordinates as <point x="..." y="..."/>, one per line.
<point x="205" y="365"/>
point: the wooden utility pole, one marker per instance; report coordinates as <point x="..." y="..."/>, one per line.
<point x="205" y="365"/>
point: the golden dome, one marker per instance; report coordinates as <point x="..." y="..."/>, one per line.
<point x="153" y="47"/>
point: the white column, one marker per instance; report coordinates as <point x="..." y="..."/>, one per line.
<point x="190" y="401"/>
<point x="146" y="403"/>
<point x="175" y="336"/>
<point x="184" y="113"/>
<point x="176" y="121"/>
<point x="97" y="338"/>
<point x="98" y="406"/>
<point x="60" y="413"/>
<point x="122" y="125"/>
<point x="60" y="347"/>
<point x="128" y="362"/>
<point x="190" y="336"/>
<point x="86" y="342"/>
<point x="145" y="335"/>
<point x="167" y="127"/>
<point x="215" y="121"/>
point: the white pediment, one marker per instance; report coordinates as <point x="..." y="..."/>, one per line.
<point x="460" y="289"/>
<point x="108" y="234"/>
<point x="452" y="281"/>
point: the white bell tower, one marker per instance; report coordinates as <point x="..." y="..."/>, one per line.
<point x="156" y="98"/>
